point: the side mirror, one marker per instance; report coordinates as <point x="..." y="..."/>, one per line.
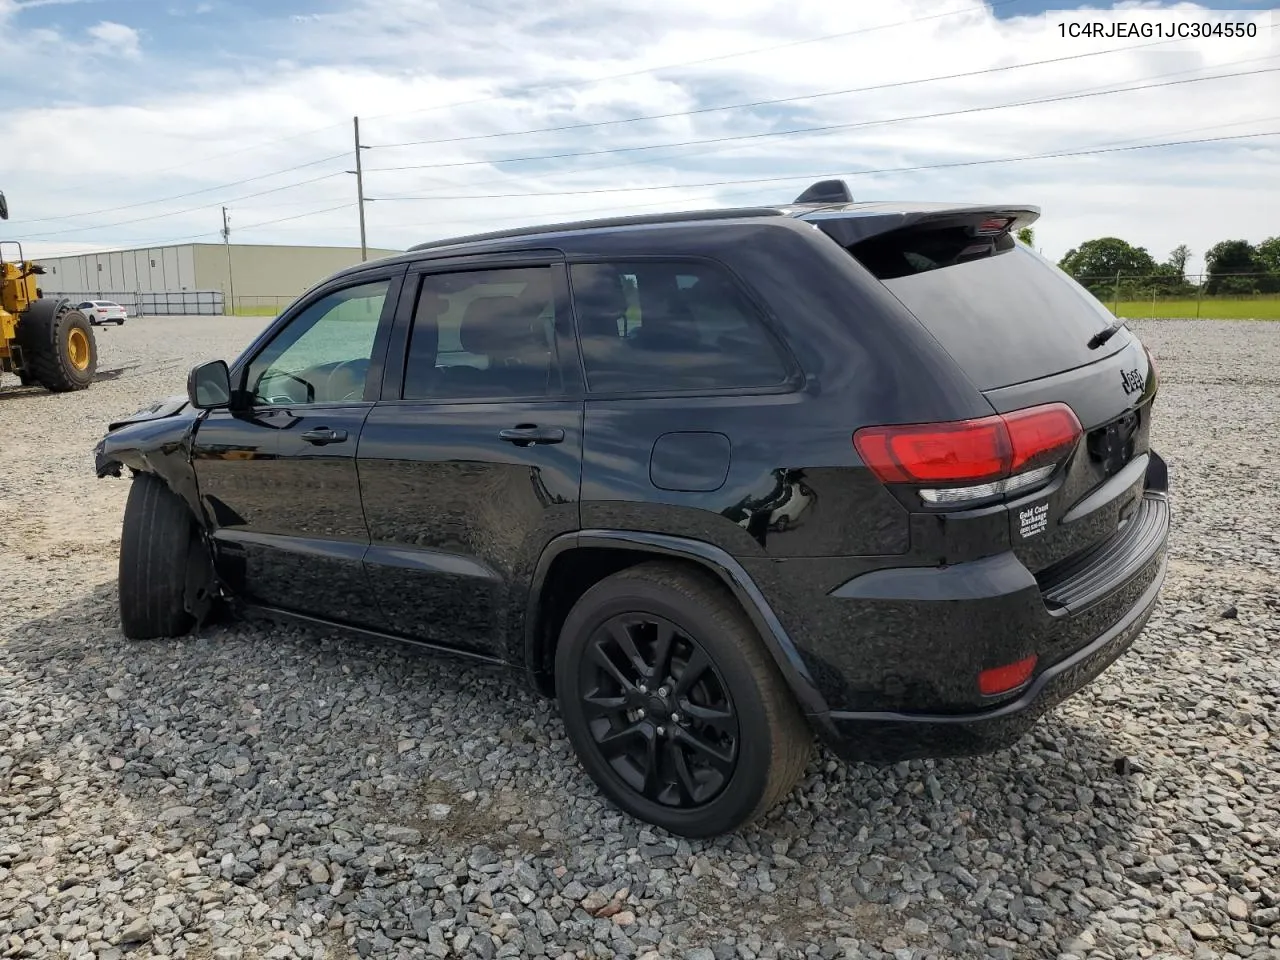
<point x="4" y="208"/>
<point x="209" y="385"/>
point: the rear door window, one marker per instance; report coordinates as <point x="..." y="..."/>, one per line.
<point x="1004" y="313"/>
<point x="649" y="326"/>
<point x="484" y="334"/>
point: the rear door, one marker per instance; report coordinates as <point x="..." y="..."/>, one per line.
<point x="1024" y="333"/>
<point x="471" y="462"/>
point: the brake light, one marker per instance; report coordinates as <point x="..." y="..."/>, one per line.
<point x="990" y="456"/>
<point x="993" y="225"/>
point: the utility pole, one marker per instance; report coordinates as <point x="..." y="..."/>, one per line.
<point x="231" y="281"/>
<point x="364" y="250"/>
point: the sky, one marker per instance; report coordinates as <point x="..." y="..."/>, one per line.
<point x="133" y="122"/>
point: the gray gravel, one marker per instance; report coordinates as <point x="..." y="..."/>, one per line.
<point x="260" y="791"/>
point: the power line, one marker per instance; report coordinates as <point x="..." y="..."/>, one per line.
<point x="706" y="151"/>
<point x="153" y="242"/>
<point x="571" y="84"/>
<point x="825" y="176"/>
<point x="824" y="128"/>
<point x="779" y="100"/>
<point x="178" y="213"/>
<point x="191" y="163"/>
<point x="535" y="218"/>
<point x="183" y="196"/>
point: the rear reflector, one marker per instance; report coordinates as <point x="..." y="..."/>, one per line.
<point x="973" y="452"/>
<point x="1006" y="678"/>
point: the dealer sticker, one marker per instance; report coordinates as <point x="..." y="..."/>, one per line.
<point x="1033" y="520"/>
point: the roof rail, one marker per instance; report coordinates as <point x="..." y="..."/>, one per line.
<point x="638" y="220"/>
<point x="826" y="191"/>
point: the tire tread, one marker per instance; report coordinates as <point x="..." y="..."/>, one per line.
<point x="154" y="542"/>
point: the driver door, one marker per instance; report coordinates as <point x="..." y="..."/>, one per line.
<point x="277" y="474"/>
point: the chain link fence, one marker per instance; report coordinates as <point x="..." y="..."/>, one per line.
<point x="139" y="304"/>
<point x="1202" y="295"/>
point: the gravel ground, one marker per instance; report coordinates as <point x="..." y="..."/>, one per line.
<point x="260" y="791"/>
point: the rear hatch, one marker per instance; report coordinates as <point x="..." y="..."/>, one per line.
<point x="1027" y="336"/>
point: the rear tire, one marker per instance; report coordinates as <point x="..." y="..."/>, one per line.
<point x="58" y="346"/>
<point x="156" y="547"/>
<point x="707" y="751"/>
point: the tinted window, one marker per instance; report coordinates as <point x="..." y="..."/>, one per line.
<point x="670" y="326"/>
<point x="483" y="333"/>
<point x="1004" y="313"/>
<point x="322" y="355"/>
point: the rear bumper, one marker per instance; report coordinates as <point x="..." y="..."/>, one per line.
<point x="900" y="656"/>
<point x="893" y="736"/>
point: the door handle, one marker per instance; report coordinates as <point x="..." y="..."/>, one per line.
<point x="527" y="433"/>
<point x="322" y="435"/>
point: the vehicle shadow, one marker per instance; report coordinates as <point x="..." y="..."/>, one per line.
<point x="12" y="389"/>
<point x="180" y="744"/>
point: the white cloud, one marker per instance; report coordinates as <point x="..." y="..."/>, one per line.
<point x="120" y="40"/>
<point x="397" y="63"/>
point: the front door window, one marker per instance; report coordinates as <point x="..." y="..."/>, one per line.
<point x="323" y="355"/>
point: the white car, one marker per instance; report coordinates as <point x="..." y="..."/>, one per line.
<point x="103" y="311"/>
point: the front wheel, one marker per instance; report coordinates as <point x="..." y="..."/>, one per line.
<point x="673" y="704"/>
<point x="161" y="558"/>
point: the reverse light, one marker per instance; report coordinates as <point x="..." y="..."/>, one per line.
<point x="1009" y="677"/>
<point x="966" y="460"/>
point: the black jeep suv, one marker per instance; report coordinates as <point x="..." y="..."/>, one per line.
<point x="717" y="482"/>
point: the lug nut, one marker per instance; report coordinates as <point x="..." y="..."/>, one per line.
<point x="675" y="718"/>
<point x="643" y="689"/>
<point x="662" y="731"/>
<point x="640" y="711"/>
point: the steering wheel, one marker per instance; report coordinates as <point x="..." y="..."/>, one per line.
<point x="285" y="398"/>
<point x="358" y="392"/>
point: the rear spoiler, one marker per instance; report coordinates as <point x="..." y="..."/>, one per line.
<point x="829" y="206"/>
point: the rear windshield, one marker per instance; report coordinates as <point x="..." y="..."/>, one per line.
<point x="1003" y="312"/>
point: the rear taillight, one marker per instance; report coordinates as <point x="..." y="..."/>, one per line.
<point x="968" y="460"/>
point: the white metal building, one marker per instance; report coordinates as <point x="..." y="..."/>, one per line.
<point x="256" y="273"/>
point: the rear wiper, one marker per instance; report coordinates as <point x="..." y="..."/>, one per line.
<point x="1103" y="336"/>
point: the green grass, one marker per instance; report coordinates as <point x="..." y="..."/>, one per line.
<point x="1210" y="308"/>
<point x="256" y="311"/>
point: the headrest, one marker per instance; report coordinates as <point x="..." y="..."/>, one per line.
<point x="600" y="302"/>
<point x="497" y="327"/>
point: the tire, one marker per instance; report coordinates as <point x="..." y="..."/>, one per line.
<point x="737" y="705"/>
<point x="58" y="346"/>
<point x="156" y="546"/>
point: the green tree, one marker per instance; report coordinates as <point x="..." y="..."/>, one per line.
<point x="1105" y="257"/>
<point x="1027" y="236"/>
<point x="1233" y="267"/>
<point x="1267" y="254"/>
<point x="1178" y="258"/>
<point x="1096" y="264"/>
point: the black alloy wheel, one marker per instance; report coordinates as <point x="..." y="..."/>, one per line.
<point x="659" y="711"/>
<point x="673" y="703"/>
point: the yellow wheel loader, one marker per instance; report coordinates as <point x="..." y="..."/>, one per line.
<point x="44" y="340"/>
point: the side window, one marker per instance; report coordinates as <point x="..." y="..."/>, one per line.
<point x="323" y="355"/>
<point x="659" y="326"/>
<point x="483" y="333"/>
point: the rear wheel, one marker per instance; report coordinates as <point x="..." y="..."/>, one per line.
<point x="673" y="704"/>
<point x="58" y="346"/>
<point x="158" y="547"/>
